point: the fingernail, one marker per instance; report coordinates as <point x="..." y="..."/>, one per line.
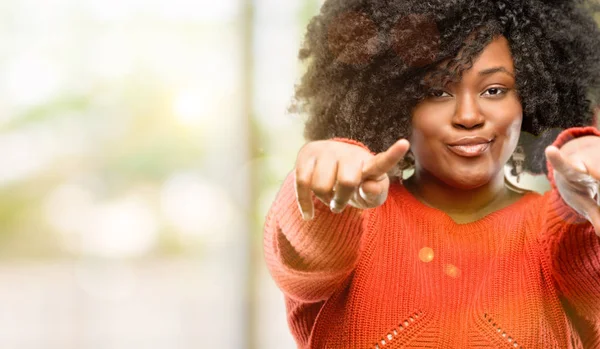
<point x="306" y="216"/>
<point x="365" y="196"/>
<point x="334" y="207"/>
<point x="362" y="193"/>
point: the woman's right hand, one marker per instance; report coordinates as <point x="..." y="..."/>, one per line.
<point x="340" y="173"/>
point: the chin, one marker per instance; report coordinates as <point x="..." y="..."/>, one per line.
<point x="469" y="180"/>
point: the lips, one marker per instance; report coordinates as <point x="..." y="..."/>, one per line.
<point x="469" y="150"/>
<point x="470" y="146"/>
<point x="471" y="140"/>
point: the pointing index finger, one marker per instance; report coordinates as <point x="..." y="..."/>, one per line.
<point x="381" y="163"/>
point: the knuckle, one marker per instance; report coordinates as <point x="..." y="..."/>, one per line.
<point x="321" y="190"/>
<point x="350" y="171"/>
<point x="347" y="181"/>
<point x="302" y="182"/>
<point x="304" y="162"/>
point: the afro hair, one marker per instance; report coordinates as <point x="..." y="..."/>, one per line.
<point x="367" y="61"/>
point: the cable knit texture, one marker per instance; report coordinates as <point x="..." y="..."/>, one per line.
<point x="405" y="275"/>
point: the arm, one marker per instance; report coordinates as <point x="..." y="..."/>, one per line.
<point x="571" y="244"/>
<point x="310" y="257"/>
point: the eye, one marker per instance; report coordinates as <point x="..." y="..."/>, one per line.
<point x="494" y="91"/>
<point x="435" y="93"/>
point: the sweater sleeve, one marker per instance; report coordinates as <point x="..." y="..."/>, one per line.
<point x="309" y="260"/>
<point x="572" y="245"/>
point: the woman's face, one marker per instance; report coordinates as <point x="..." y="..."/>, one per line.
<point x="465" y="132"/>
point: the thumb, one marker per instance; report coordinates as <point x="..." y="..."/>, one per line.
<point x="371" y="193"/>
<point x="371" y="189"/>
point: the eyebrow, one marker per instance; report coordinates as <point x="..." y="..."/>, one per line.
<point x="494" y="70"/>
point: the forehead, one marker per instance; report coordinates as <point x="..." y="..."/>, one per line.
<point x="495" y="54"/>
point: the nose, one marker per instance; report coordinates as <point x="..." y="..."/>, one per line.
<point x="467" y="114"/>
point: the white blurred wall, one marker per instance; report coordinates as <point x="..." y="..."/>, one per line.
<point x="122" y="164"/>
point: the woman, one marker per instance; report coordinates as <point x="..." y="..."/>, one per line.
<point x="451" y="257"/>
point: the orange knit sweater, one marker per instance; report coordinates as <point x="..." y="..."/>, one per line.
<point x="405" y="275"/>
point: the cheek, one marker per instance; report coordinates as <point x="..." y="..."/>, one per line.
<point x="425" y="143"/>
<point x="511" y="115"/>
<point x="427" y="124"/>
<point x="516" y="125"/>
<point x="513" y="131"/>
<point x="506" y="119"/>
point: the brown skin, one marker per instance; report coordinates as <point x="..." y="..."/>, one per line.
<point x="335" y="171"/>
<point x="577" y="175"/>
<point x="467" y="189"/>
<point x="484" y="103"/>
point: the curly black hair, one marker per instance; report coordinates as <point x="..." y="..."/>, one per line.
<point x="368" y="62"/>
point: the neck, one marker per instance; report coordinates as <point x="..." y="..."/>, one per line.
<point x="459" y="202"/>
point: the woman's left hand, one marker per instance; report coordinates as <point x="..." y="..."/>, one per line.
<point x="577" y="175"/>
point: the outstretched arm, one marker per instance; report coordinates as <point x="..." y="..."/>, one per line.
<point x="573" y="219"/>
<point x="311" y="236"/>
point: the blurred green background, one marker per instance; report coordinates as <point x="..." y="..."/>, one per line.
<point x="141" y="144"/>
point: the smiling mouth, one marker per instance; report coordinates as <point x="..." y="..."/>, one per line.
<point x="470" y="150"/>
